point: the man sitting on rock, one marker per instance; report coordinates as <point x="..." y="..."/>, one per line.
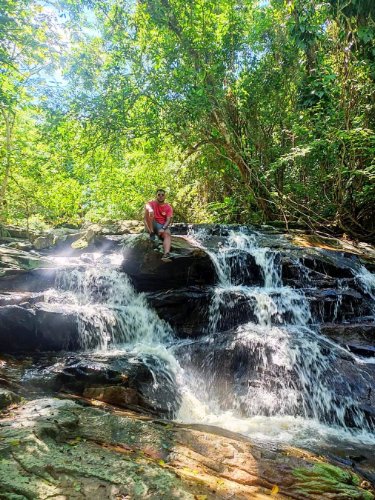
<point x="158" y="215"/>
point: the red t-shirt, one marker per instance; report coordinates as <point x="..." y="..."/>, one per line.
<point x="161" y="211"/>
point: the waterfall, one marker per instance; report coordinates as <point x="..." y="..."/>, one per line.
<point x="367" y="281"/>
<point x="109" y="312"/>
<point x="262" y="367"/>
<point x="284" y="367"/>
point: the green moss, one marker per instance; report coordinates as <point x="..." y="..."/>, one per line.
<point x="79" y="244"/>
<point x="327" y="478"/>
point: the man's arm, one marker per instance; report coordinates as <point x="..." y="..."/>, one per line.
<point x="166" y="223"/>
<point x="149" y="217"/>
<point x="149" y="209"/>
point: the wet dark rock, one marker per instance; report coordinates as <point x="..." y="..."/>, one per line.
<point x="127" y="379"/>
<point x="244" y="269"/>
<point x="193" y="311"/>
<point x="361" y="332"/>
<point x="47" y="327"/>
<point x="190" y="265"/>
<point x="185" y="309"/>
<point x="331" y="264"/>
<point x="36" y="280"/>
<point x="235" y="363"/>
<point x="296" y="274"/>
<point x="337" y="305"/>
<point x="56" y="327"/>
<point x="358" y="338"/>
<point x="233" y="309"/>
<point x="361" y="350"/>
<point x="17" y="329"/>
<point x="17" y="298"/>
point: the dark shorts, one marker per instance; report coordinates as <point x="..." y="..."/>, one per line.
<point x="157" y="226"/>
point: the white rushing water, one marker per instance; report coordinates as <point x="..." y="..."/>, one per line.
<point x="280" y="388"/>
<point x="109" y="312"/>
<point x="286" y="363"/>
<point x="367" y="280"/>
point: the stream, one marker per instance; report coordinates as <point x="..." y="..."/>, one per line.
<point x="273" y="377"/>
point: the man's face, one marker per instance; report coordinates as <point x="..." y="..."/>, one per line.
<point x="160" y="196"/>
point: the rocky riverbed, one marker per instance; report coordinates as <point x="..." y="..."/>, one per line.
<point x="99" y="339"/>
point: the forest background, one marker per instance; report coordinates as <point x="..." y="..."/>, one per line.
<point x="244" y="111"/>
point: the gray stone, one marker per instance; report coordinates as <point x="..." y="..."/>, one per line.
<point x="56" y="327"/>
<point x="17" y="329"/>
<point x="190" y="265"/>
<point x="43" y="242"/>
<point x="8" y="398"/>
<point x="48" y="327"/>
<point x="35" y="280"/>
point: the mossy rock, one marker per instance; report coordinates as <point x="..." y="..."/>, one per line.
<point x="60" y="449"/>
<point x="327" y="479"/>
<point x="8" y="398"/>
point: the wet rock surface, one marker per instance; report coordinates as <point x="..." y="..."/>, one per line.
<point x="39" y="327"/>
<point x="190" y="265"/>
<point x="185" y="309"/>
<point x="358" y="338"/>
<point x="125" y="380"/>
<point x="36" y="280"/>
<point x="183" y="293"/>
<point x="52" y="447"/>
<point x="246" y="361"/>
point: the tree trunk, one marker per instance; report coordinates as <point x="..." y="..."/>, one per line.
<point x="9" y="117"/>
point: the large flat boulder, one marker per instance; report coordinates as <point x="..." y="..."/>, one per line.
<point x="53" y="448"/>
<point x="46" y="327"/>
<point x="191" y="265"/>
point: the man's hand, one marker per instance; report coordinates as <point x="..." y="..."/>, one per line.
<point x="150" y="211"/>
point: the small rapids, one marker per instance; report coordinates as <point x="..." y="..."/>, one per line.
<point x="269" y="378"/>
<point x="109" y="312"/>
<point x="282" y="386"/>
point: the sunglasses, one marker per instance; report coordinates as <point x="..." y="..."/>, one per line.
<point x="161" y="194"/>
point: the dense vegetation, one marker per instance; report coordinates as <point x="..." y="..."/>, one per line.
<point x="244" y="110"/>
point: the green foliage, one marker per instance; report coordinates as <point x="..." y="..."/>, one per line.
<point x="244" y="112"/>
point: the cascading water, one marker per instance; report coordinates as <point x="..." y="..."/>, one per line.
<point x="114" y="320"/>
<point x="281" y="368"/>
<point x="109" y="312"/>
<point x="367" y="281"/>
<point x="262" y="368"/>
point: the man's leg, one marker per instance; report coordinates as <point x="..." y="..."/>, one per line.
<point x="166" y="235"/>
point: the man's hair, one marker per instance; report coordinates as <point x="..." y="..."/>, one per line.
<point x="160" y="191"/>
